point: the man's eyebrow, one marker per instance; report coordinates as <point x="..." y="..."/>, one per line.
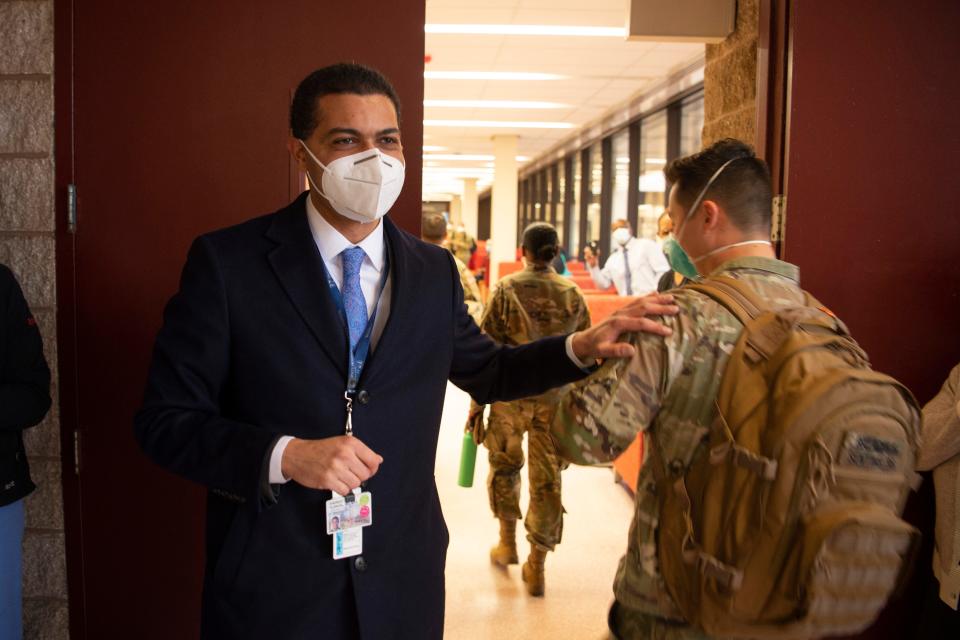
<point x="342" y="130"/>
<point x="353" y="132"/>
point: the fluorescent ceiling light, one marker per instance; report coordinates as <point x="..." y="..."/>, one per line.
<point x="489" y="75"/>
<point x="494" y="104"/>
<point x="433" y="147"/>
<point x="656" y="160"/>
<point x="498" y="124"/>
<point x="471" y="157"/>
<point x="525" y="30"/>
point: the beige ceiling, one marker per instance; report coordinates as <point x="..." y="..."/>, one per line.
<point x="601" y="72"/>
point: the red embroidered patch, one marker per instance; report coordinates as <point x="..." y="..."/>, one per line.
<point x="31" y="322"/>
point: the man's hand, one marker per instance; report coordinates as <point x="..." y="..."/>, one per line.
<point x="590" y="257"/>
<point x="600" y="341"/>
<point x="339" y="463"/>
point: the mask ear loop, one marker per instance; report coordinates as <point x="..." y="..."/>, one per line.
<point x="313" y="185"/>
<point x="699" y="199"/>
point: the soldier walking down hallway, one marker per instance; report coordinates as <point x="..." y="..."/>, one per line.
<point x="526" y="306"/>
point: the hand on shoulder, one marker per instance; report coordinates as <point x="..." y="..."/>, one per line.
<point x="601" y="340"/>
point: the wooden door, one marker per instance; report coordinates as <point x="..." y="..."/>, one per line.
<point x="872" y="221"/>
<point x="172" y="121"/>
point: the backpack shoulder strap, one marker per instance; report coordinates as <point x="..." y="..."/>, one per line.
<point x="737" y="299"/>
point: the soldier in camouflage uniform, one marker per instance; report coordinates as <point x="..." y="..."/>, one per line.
<point x="461" y="243"/>
<point x="720" y="204"/>
<point x="433" y="229"/>
<point x="525" y="306"/>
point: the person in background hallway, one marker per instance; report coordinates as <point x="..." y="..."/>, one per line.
<point x="664" y="228"/>
<point x="526" y="306"/>
<point x="24" y="401"/>
<point x="634" y="267"/>
<point x="720" y="206"/>
<point x="433" y="229"/>
<point x="461" y="243"/>
<point x="940" y="452"/>
<point x="559" y="263"/>
<point x="480" y="266"/>
<point x="306" y="353"/>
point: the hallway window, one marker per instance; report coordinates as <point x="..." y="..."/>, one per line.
<point x="652" y="185"/>
<point x="621" y="174"/>
<point x="691" y="125"/>
<point x="596" y="192"/>
<point x="559" y="197"/>
<point x="573" y="248"/>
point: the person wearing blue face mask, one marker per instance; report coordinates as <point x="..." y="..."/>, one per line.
<point x="634" y="266"/>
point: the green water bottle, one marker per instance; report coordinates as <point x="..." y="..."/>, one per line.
<point x="468" y="460"/>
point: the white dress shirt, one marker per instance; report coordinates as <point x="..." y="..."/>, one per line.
<point x="647" y="264"/>
<point x="331" y="243"/>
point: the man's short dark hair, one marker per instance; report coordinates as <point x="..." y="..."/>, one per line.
<point x="743" y="189"/>
<point x="346" y="77"/>
<point x="433" y="227"/>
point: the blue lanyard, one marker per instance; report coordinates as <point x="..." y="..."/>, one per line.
<point x="358" y="357"/>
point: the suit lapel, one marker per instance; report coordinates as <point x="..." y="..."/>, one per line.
<point x="299" y="267"/>
<point x="406" y="272"/>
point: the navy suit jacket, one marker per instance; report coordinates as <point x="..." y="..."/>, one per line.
<point x="252" y="348"/>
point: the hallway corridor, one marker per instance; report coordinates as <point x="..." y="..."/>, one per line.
<point x="485" y="603"/>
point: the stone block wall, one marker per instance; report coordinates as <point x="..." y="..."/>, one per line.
<point x="730" y="80"/>
<point x="27" y="247"/>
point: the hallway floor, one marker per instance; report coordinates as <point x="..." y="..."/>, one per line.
<point x="487" y="603"/>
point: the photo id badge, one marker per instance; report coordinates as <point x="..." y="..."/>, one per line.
<point x="354" y="510"/>
<point x="347" y="543"/>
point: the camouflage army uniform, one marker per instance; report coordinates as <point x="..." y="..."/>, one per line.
<point x="668" y="388"/>
<point x="526" y="306"/>
<point x="461" y="244"/>
<point x="471" y="292"/>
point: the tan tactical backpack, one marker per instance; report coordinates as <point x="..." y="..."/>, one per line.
<point x="789" y="526"/>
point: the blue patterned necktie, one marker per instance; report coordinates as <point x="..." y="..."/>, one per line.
<point x="626" y="265"/>
<point x="354" y="304"/>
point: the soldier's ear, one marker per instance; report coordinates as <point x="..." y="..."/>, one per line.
<point x="711" y="214"/>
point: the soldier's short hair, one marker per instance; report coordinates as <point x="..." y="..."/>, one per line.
<point x="743" y="188"/>
<point x="540" y="239"/>
<point x="433" y="227"/>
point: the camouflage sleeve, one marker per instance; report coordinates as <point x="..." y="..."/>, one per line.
<point x="599" y="418"/>
<point x="584" y="314"/>
<point x="493" y="323"/>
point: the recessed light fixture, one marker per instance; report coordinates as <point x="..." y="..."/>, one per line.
<point x="490" y="75"/>
<point x="494" y="104"/>
<point x="498" y="124"/>
<point x="525" y="30"/>
<point x="470" y="157"/>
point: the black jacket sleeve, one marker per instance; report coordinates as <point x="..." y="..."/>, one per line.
<point x="490" y="372"/>
<point x="180" y="426"/>
<point x="24" y="375"/>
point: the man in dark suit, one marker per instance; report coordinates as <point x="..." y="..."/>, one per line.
<point x="308" y="351"/>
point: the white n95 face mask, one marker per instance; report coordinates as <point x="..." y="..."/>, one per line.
<point x="621" y="236"/>
<point x="362" y="186"/>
